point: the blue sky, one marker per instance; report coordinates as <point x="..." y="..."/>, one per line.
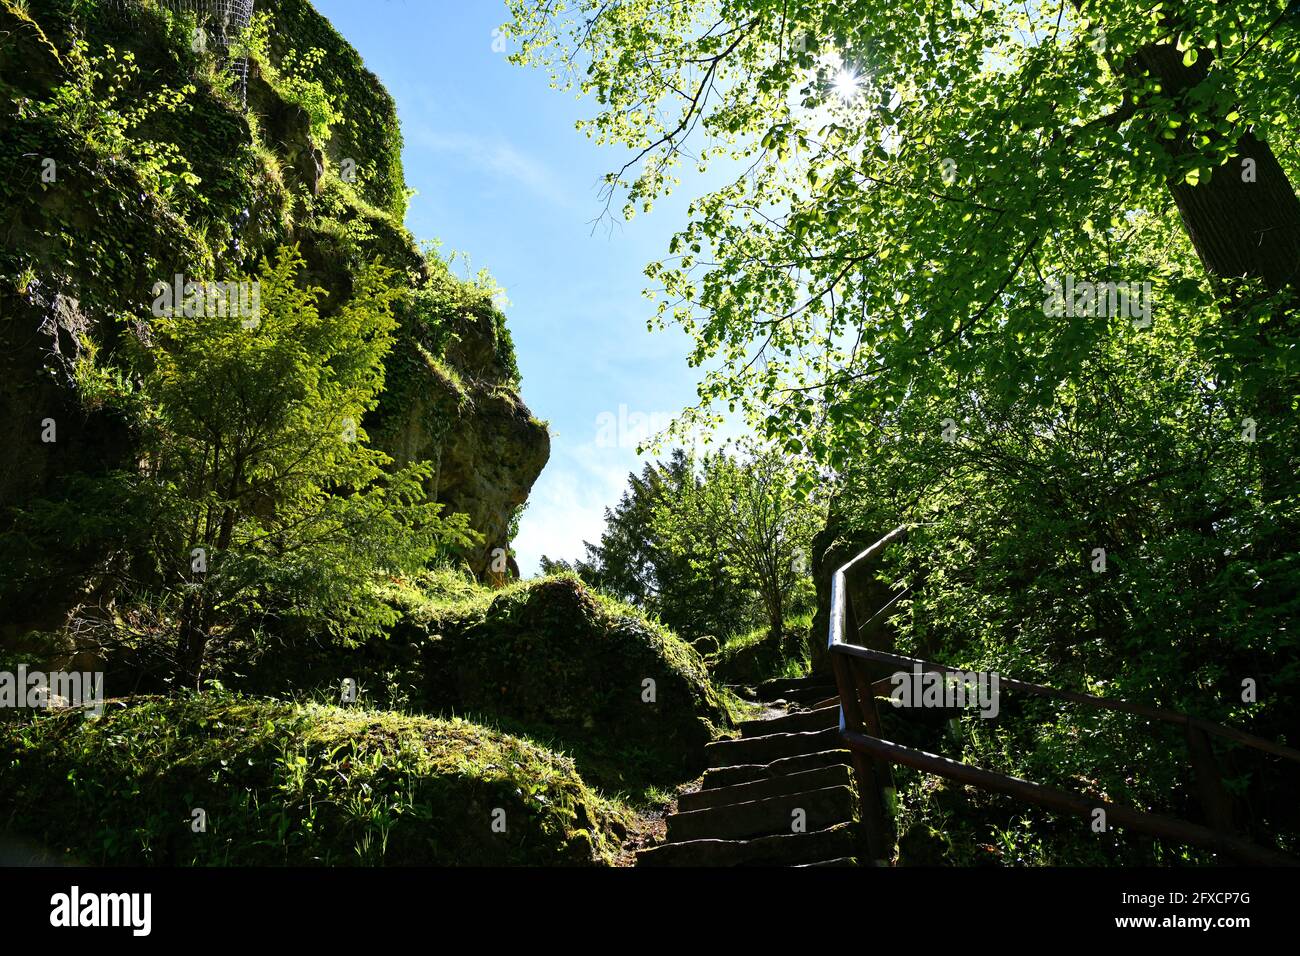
<point x="503" y="175"/>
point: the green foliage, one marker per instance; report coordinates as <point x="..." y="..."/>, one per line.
<point x="871" y="291"/>
<point x="97" y="102"/>
<point x="160" y="172"/>
<point x="710" y="548"/>
<point x="366" y="129"/>
<point x="440" y="312"/>
<point x="831" y="282"/>
<point x="942" y="823"/>
<point x="266" y="465"/>
<point x="744" y="521"/>
<point x="291" y="784"/>
<point x="227" y="508"/>
<point x="757" y="655"/>
<point x="155" y="171"/>
<point x="633" y="563"/>
<point x="293" y="77"/>
<point x="263" y="497"/>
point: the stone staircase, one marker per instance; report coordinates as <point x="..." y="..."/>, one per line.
<point x="745" y="810"/>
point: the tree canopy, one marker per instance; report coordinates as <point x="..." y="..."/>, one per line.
<point x="711" y="545"/>
<point x="1025" y="276"/>
<point x="831" y="284"/>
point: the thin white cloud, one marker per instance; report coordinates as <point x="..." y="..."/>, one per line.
<point x="500" y="157"/>
<point x="561" y="515"/>
<point x="567" y="505"/>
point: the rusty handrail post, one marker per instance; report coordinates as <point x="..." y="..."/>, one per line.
<point x="1215" y="800"/>
<point x="883" y="791"/>
<point x="870" y="802"/>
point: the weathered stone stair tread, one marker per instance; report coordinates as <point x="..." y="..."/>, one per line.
<point x="787" y="849"/>
<point x="798" y="722"/>
<point x="754" y="818"/>
<point x="810" y="695"/>
<point x="801" y="690"/>
<point x="747" y="773"/>
<point x="727" y="753"/>
<point x="787" y="759"/>
<point x="818" y="778"/>
<point x="780" y="686"/>
<point x="838" y="861"/>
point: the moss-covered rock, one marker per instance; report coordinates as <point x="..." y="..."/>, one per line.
<point x="451" y="398"/>
<point x="551" y="654"/>
<point x="369" y="133"/>
<point x="750" y="659"/>
<point x="282" y="783"/>
<point x="545" y="657"/>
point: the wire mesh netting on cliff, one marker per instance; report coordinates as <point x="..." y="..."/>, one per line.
<point x="219" y="23"/>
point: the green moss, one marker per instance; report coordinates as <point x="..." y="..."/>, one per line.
<point x="545" y="658"/>
<point x="195" y="188"/>
<point x="367" y="130"/>
<point x="441" y="311"/>
<point x="757" y="655"/>
<point x="156" y="168"/>
<point x="289" y="783"/>
<point x="623" y="694"/>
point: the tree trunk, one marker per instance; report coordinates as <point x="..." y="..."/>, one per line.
<point x="1244" y="223"/>
<point x="776" y="614"/>
<point x="193" y="643"/>
<point x="1242" y="226"/>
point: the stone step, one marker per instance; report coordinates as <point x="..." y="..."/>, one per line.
<point x="784" y="685"/>
<point x="819" y="778"/>
<point x="747" y="773"/>
<point x="729" y="753"/>
<point x="802" y="695"/>
<point x="821" y="809"/>
<point x="798" y="690"/>
<point x="798" y="722"/>
<point x="839" y="861"/>
<point x="786" y="849"/>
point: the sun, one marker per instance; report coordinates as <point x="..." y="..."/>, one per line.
<point x="846" y="84"/>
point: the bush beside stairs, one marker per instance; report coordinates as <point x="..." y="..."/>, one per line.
<point x="744" y="812"/>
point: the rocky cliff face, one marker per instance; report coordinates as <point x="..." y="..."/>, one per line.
<point x="204" y="185"/>
<point x="465" y="415"/>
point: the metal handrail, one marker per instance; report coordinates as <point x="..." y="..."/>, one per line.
<point x="873" y="755"/>
<point x="837" y="585"/>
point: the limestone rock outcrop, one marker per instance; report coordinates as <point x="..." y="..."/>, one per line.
<point x="85" y="233"/>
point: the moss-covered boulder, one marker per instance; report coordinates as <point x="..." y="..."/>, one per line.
<point x="549" y="654"/>
<point x="751" y="658"/>
<point x="282" y="783"/>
